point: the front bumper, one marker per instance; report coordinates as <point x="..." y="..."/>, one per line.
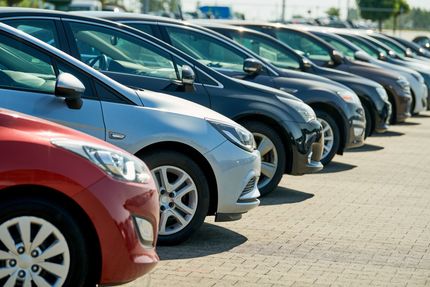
<point x="236" y="172"/>
<point x="382" y="118"/>
<point x="356" y="127"/>
<point x="421" y="95"/>
<point x="113" y="207"/>
<point x="402" y="101"/>
<point x="307" y="150"/>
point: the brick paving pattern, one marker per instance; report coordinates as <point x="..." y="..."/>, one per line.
<point x="363" y="221"/>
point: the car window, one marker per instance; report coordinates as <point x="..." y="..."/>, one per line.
<point x="343" y="48"/>
<point x="23" y="67"/>
<point x="363" y="46"/>
<point x="146" y="28"/>
<point x="268" y="50"/>
<point x="205" y="49"/>
<point x="311" y="48"/>
<point x="42" y="29"/>
<point x="109" y="50"/>
<point x="393" y="46"/>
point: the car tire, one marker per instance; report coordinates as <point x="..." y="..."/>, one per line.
<point x="276" y="156"/>
<point x="331" y="136"/>
<point x="66" y="242"/>
<point x="369" y="121"/>
<point x="180" y="217"/>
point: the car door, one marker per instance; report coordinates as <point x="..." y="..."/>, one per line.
<point x="27" y="84"/>
<point x="213" y="53"/>
<point x="130" y="60"/>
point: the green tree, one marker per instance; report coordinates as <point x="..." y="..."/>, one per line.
<point x="333" y="12"/>
<point x="377" y="10"/>
<point x="402" y="7"/>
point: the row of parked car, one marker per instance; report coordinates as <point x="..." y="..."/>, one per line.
<point x="217" y="110"/>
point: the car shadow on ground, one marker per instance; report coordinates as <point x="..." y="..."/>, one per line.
<point x="388" y="134"/>
<point x="408" y="124"/>
<point x="335" y="166"/>
<point x="421" y="116"/>
<point x="284" y="195"/>
<point x="209" y="239"/>
<point x="366" y="148"/>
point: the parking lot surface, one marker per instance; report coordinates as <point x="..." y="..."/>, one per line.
<point x="364" y="220"/>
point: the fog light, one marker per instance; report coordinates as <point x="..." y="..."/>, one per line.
<point x="358" y="132"/>
<point x="145" y="231"/>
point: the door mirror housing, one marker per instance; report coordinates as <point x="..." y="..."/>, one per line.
<point x="306" y="63"/>
<point x="381" y="57"/>
<point x="361" y="56"/>
<point x="188" y="78"/>
<point x="337" y="57"/>
<point x="252" y="66"/>
<point x="71" y="88"/>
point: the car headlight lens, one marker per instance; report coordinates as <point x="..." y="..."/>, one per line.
<point x="117" y="164"/>
<point x="404" y="84"/>
<point x="236" y="134"/>
<point x="305" y="111"/>
<point x="382" y="93"/>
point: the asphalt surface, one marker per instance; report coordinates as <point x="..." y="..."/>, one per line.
<point x="363" y="221"/>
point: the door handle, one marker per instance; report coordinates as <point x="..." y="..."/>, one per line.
<point x="116" y="136"/>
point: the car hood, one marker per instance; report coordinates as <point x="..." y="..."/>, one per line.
<point x="371" y="70"/>
<point x="345" y="77"/>
<point x="171" y="104"/>
<point x="265" y="89"/>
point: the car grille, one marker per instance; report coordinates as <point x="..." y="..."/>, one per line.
<point x="250" y="185"/>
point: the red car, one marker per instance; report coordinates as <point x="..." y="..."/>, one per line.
<point x="74" y="210"/>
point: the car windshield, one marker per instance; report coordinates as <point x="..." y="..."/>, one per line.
<point x="311" y="49"/>
<point x="372" y="51"/>
<point x="270" y="50"/>
<point x="342" y="47"/>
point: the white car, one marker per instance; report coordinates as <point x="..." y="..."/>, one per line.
<point x="204" y="163"/>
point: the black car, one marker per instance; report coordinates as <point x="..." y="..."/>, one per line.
<point x="423" y="41"/>
<point x="372" y="95"/>
<point x="415" y="48"/>
<point x="337" y="107"/>
<point x="325" y="55"/>
<point x="285" y="129"/>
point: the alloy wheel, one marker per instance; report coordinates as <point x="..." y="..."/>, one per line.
<point x="33" y="253"/>
<point x="328" y="137"/>
<point x="178" y="198"/>
<point x="269" y="158"/>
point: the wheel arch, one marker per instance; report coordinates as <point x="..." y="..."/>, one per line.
<point x="197" y="157"/>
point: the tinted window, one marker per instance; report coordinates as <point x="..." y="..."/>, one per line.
<point x="25" y="68"/>
<point x="114" y="51"/>
<point x="342" y="47"/>
<point x="393" y="46"/>
<point x="267" y="49"/>
<point x="302" y="43"/>
<point x="42" y="29"/>
<point x="146" y="28"/>
<point x="207" y="50"/>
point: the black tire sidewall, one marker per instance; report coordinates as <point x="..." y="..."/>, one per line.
<point x="187" y="164"/>
<point x="79" y="272"/>
<point x="368" y="116"/>
<point x="336" y="135"/>
<point x="268" y="131"/>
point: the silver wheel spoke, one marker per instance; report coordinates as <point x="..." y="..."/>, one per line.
<point x="24" y="229"/>
<point x="163" y="220"/>
<point x="41" y="235"/>
<point x="55" y="249"/>
<point x="268" y="169"/>
<point x="11" y="282"/>
<point x="265" y="146"/>
<point x="56" y="269"/>
<point x="179" y="217"/>
<point x="27" y="280"/>
<point x="6" y="255"/>
<point x="7" y="239"/>
<point x="40" y="281"/>
<point x="164" y="180"/>
<point x="7" y="271"/>
<point x="328" y="137"/>
<point x="178" y="182"/>
<point x="184" y="191"/>
<point x="183" y="207"/>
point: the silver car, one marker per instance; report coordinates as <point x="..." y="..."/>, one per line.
<point x="204" y="163"/>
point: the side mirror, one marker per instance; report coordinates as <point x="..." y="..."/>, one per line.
<point x="306" y="64"/>
<point x="409" y="52"/>
<point x="337" y="57"/>
<point x="252" y="66"/>
<point x="188" y="78"/>
<point x="381" y="56"/>
<point x="361" y="56"/>
<point x="71" y="88"/>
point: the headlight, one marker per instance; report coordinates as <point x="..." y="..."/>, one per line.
<point x="305" y="111"/>
<point x="117" y="164"/>
<point x="349" y="97"/>
<point x="236" y="134"/>
<point x="404" y="84"/>
<point x="382" y="93"/>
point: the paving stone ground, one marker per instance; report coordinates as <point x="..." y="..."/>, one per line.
<point x="363" y="221"/>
